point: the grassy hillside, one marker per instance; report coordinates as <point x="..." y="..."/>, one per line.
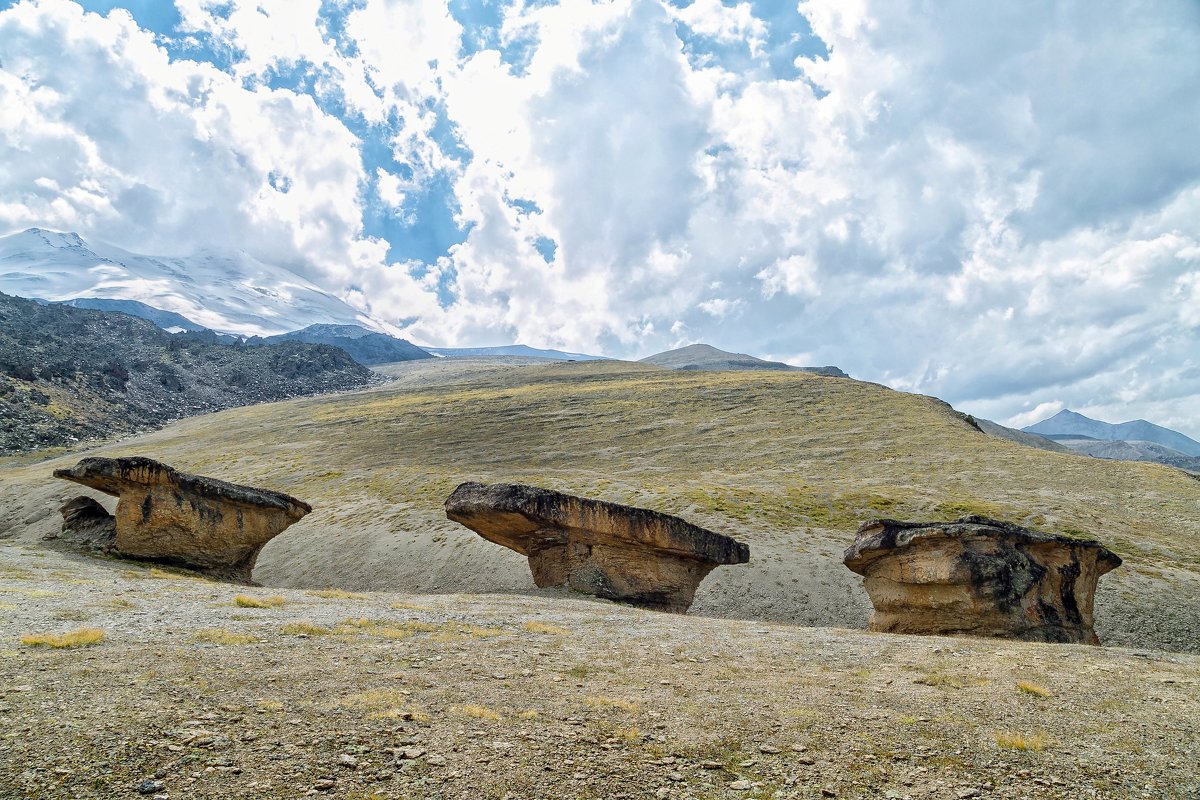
<point x="788" y="462"/>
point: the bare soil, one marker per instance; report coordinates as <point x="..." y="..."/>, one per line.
<point x="388" y="695"/>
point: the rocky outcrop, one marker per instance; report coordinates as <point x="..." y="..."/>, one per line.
<point x="201" y="523"/>
<point x="87" y="524"/>
<point x="617" y="552"/>
<point x="71" y="374"/>
<point x="979" y="577"/>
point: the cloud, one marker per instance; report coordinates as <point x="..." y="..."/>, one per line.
<point x="116" y="140"/>
<point x="1040" y="412"/>
<point x="998" y="205"/>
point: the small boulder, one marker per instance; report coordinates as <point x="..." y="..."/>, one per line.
<point x="617" y="552"/>
<point x="205" y="524"/>
<point x="979" y="577"/>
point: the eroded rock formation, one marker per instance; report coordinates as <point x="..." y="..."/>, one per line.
<point x="202" y="523"/>
<point x="979" y="577"/>
<point x="88" y="524"/>
<point x="617" y="552"/>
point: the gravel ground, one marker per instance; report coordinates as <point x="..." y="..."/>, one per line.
<point x="386" y="695"/>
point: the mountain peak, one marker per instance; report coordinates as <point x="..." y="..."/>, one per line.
<point x="55" y="239"/>
<point x="706" y="357"/>
<point x="1071" y="423"/>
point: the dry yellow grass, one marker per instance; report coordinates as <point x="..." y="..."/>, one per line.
<point x="383" y="704"/>
<point x="594" y="701"/>
<point x="1033" y="689"/>
<point x="247" y="601"/>
<point x="83" y="637"/>
<point x="401" y="606"/>
<point x="478" y="712"/>
<point x="384" y="629"/>
<point x="28" y="592"/>
<point x="338" y="594"/>
<point x="534" y="626"/>
<point x="304" y="627"/>
<point x="1018" y="741"/>
<point x="222" y="636"/>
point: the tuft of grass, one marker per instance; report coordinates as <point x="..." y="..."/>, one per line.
<point x="630" y="734"/>
<point x="478" y="712"/>
<point x="221" y="636"/>
<point x="304" y="627"/>
<point x="374" y="700"/>
<point x="597" y="702"/>
<point x="118" y="604"/>
<point x="1033" y="689"/>
<point x="28" y="592"/>
<point x="338" y="594"/>
<point x="1036" y="742"/>
<point x="246" y="601"/>
<point x="361" y="626"/>
<point x="579" y="671"/>
<point x="477" y="631"/>
<point x="84" y="637"/>
<point x="401" y="606"/>
<point x="540" y="627"/>
<point x="530" y="714"/>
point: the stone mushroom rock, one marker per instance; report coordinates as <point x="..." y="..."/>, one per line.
<point x="979" y="577"/>
<point x="208" y="525"/>
<point x="617" y="552"/>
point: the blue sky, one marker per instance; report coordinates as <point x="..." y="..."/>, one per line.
<point x="997" y="204"/>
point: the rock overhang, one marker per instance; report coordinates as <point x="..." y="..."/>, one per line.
<point x="619" y="552"/>
<point x="213" y="526"/>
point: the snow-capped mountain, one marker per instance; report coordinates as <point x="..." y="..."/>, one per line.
<point x="228" y="293"/>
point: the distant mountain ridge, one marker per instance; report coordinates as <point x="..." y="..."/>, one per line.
<point x="225" y="292"/>
<point x="1132" y="450"/>
<point x="707" y="357"/>
<point x="167" y="320"/>
<point x="364" y="346"/>
<point x="1020" y="437"/>
<point x="513" y="350"/>
<point x="1070" y="422"/>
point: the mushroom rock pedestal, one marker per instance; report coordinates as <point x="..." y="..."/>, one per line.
<point x="208" y="525"/>
<point x="617" y="552"/>
<point x="979" y="577"/>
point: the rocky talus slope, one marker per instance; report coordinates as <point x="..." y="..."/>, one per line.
<point x="71" y="374"/>
<point x="391" y="696"/>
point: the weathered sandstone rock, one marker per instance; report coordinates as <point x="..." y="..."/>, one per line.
<point x="208" y="525"/>
<point x="87" y="524"/>
<point x="979" y="577"/>
<point x="617" y="552"/>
